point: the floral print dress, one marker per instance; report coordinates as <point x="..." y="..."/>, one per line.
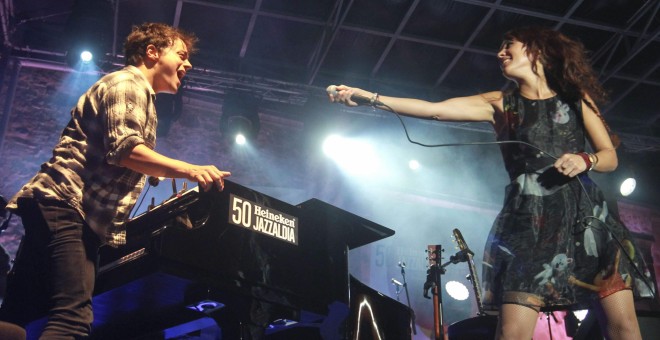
<point x="554" y="245"/>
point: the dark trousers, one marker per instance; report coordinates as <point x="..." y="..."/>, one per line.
<point x="54" y="271"/>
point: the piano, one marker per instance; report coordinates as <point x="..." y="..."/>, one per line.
<point x="250" y="264"/>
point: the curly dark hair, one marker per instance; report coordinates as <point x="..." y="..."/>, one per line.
<point x="567" y="67"/>
<point x="160" y="35"/>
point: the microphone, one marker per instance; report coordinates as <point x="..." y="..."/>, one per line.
<point x="360" y="100"/>
<point x="396" y="283"/>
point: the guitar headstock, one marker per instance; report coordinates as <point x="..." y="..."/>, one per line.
<point x="434" y="254"/>
<point x="460" y="240"/>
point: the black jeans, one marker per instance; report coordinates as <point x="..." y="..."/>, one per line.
<point x="54" y="271"/>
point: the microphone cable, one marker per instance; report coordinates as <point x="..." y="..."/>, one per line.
<point x="405" y="130"/>
<point x="544" y="152"/>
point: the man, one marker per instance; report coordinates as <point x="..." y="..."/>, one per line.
<point x="82" y="196"/>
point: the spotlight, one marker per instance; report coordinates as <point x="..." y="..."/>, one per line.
<point x="88" y="29"/>
<point x="354" y="156"/>
<point x="86" y="56"/>
<point x="81" y="57"/>
<point x="240" y="128"/>
<point x="413" y="164"/>
<point x="457" y="290"/>
<point x="240" y="117"/>
<point x="240" y="139"/>
<point x="626" y="177"/>
<point x="332" y="146"/>
<point x="627" y="186"/>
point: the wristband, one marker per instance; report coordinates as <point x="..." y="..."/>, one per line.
<point x="587" y="160"/>
<point x="594" y="160"/>
<point x="374" y="99"/>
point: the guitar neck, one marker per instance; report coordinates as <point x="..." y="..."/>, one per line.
<point x="473" y="271"/>
<point x="475" y="284"/>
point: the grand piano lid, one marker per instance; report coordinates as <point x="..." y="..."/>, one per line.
<point x="358" y="230"/>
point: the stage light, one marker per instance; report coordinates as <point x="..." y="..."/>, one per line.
<point x="240" y="117"/>
<point x="241" y="129"/>
<point x="88" y="28"/>
<point x="240" y="139"/>
<point x="625" y="176"/>
<point x="354" y="156"/>
<point x="332" y="146"/>
<point x="83" y="56"/>
<point x="627" y="186"/>
<point x="86" y="56"/>
<point x="413" y="164"/>
<point x="457" y="290"/>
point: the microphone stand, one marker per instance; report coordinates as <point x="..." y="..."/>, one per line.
<point x="397" y="288"/>
<point x="434" y="283"/>
<point x="405" y="287"/>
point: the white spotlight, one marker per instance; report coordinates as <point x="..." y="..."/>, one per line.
<point x="240" y="139"/>
<point x="354" y="156"/>
<point x="457" y="290"/>
<point x="332" y="146"/>
<point x="86" y="56"/>
<point x="413" y="164"/>
<point x="628" y="186"/>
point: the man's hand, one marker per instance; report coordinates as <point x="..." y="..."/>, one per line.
<point x="149" y="162"/>
<point x="206" y="175"/>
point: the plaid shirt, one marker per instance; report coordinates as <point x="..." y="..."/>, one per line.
<point x="111" y="118"/>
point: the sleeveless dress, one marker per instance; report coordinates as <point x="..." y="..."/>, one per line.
<point x="554" y="245"/>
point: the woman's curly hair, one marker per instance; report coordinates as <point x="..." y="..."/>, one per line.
<point x="567" y="68"/>
<point x="160" y="35"/>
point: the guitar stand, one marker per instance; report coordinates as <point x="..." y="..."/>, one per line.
<point x="434" y="283"/>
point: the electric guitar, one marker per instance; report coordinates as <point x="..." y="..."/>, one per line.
<point x="473" y="272"/>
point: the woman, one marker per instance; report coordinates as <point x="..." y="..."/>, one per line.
<point x="553" y="246"/>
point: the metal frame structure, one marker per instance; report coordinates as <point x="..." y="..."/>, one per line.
<point x="638" y="35"/>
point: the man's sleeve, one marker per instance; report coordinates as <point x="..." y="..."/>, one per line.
<point x="126" y="106"/>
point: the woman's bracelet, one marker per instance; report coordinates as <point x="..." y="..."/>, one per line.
<point x="588" y="159"/>
<point x="374" y="99"/>
<point x="594" y="160"/>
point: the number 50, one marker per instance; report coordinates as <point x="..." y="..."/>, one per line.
<point x="241" y="212"/>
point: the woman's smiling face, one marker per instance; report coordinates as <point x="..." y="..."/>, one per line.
<point x="513" y="59"/>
